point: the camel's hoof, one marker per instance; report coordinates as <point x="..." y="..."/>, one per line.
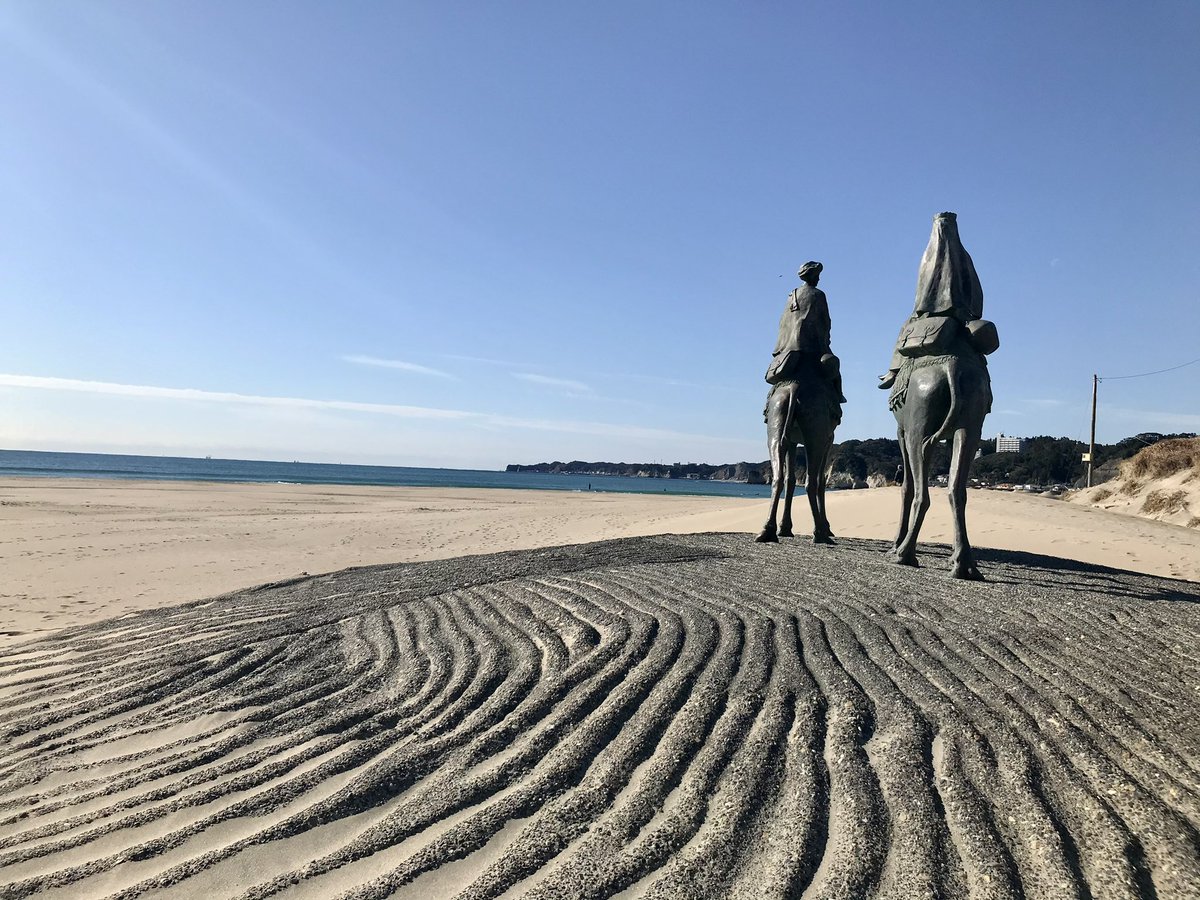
<point x="767" y="537"/>
<point x="966" y="573"/>
<point x="824" y="539"/>
<point x="786" y="531"/>
<point x="909" y="560"/>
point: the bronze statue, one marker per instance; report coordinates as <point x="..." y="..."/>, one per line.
<point x="940" y="387"/>
<point x="803" y="405"/>
<point x="804" y="331"/>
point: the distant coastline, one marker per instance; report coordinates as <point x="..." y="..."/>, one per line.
<point x="873" y="462"/>
<point x="741" y="473"/>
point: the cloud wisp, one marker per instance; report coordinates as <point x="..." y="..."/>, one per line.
<point x="487" y="361"/>
<point x="228" y="398"/>
<point x="378" y="363"/>
<point x="565" y="384"/>
<point x="73" y="385"/>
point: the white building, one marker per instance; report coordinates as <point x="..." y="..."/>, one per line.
<point x="1010" y="444"/>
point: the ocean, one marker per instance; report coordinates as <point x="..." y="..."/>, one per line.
<point x="26" y="463"/>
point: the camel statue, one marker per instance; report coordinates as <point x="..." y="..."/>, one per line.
<point x="941" y="389"/>
<point x="804" y="405"/>
<point x="802" y="410"/>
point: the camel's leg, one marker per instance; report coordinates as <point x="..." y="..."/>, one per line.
<point x="785" y="524"/>
<point x="768" y="534"/>
<point x="822" y="482"/>
<point x="962" y="560"/>
<point x="906" y="493"/>
<point x="814" y="486"/>
<point x="919" y="454"/>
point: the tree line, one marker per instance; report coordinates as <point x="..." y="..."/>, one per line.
<point x="1044" y="459"/>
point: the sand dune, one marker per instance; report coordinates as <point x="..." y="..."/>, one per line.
<point x="652" y="717"/>
<point x="1162" y="482"/>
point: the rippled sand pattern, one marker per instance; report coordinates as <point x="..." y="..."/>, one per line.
<point x="653" y="717"/>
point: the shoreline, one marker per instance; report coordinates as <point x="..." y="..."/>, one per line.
<point x="138" y="479"/>
<point x="77" y="550"/>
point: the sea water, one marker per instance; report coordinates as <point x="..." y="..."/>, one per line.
<point x="177" y="468"/>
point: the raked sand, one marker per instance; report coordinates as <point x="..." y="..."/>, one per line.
<point x="78" y="551"/>
<point x="661" y="717"/>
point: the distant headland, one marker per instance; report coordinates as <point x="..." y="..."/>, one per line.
<point x="854" y="463"/>
<point x="744" y="472"/>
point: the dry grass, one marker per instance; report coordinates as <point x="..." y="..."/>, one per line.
<point x="1162" y="460"/>
<point x="1164" y="502"/>
<point x="1131" y="487"/>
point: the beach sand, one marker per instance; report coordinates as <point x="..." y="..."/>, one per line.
<point x="78" y="551"/>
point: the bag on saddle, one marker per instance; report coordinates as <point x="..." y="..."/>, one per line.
<point x="928" y="336"/>
<point x="788" y="365"/>
<point x="783" y="366"/>
<point x="984" y="337"/>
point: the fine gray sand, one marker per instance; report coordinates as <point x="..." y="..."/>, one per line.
<point x="675" y="716"/>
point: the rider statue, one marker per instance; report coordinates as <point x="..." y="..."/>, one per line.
<point x="803" y="342"/>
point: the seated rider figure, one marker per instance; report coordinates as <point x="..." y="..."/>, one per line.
<point x="804" y="334"/>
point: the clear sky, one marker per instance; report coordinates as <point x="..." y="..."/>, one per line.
<point x="465" y="234"/>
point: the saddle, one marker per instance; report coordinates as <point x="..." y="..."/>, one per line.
<point x="928" y="336"/>
<point x="935" y="335"/>
<point x="793" y="364"/>
<point x="899" y="392"/>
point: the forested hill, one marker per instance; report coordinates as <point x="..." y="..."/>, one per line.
<point x="1045" y="460"/>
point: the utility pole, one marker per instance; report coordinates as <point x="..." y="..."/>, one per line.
<point x="1092" y="444"/>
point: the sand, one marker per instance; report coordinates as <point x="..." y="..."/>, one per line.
<point x="659" y="717"/>
<point x="78" y="551"/>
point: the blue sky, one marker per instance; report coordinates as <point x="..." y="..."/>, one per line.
<point x="468" y="234"/>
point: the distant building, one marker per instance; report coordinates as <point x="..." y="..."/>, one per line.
<point x="1010" y="444"/>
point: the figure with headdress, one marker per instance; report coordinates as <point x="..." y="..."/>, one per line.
<point x="949" y="298"/>
<point x="804" y="333"/>
<point x="940" y="388"/>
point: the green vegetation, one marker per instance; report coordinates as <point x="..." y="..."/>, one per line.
<point x="1045" y="460"/>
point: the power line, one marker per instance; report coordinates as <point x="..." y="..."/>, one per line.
<point x="1139" y="440"/>
<point x="1144" y="374"/>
